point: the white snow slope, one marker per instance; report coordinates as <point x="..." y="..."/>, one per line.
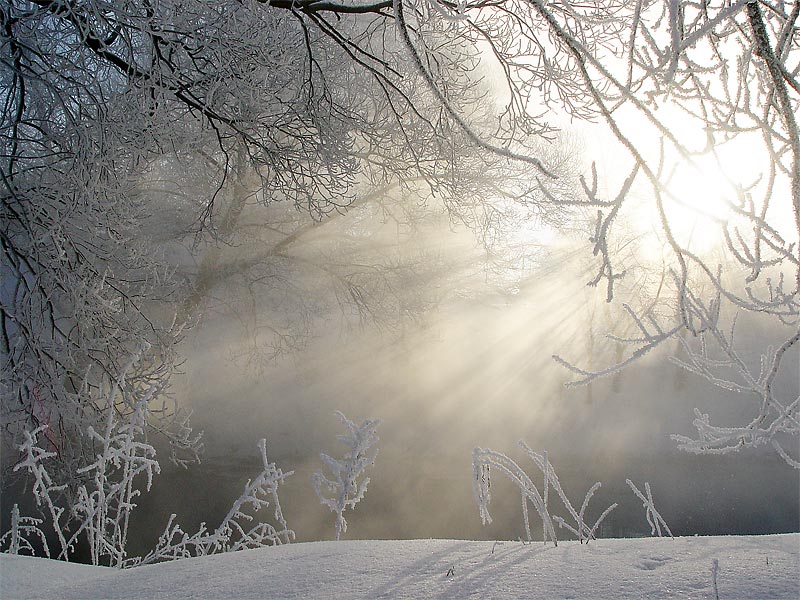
<point x="760" y="567"/>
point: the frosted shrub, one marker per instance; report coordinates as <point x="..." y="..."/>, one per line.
<point x="101" y="508"/>
<point x="105" y="508"/>
<point x="44" y="489"/>
<point x="238" y="530"/>
<point x="343" y="489"/>
<point x="484" y="459"/>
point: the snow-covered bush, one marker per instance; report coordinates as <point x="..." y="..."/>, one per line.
<point x="235" y="531"/>
<point x="102" y="511"/>
<point x="104" y="508"/>
<point x="45" y="491"/>
<point x="484" y="459"/>
<point x="99" y="507"/>
<point x="344" y="490"/>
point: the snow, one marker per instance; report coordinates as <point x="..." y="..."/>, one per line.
<point x="762" y="567"/>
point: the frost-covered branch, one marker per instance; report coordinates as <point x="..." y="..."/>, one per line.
<point x="716" y="355"/>
<point x="775" y="418"/>
<point x="233" y="533"/>
<point x="648" y="339"/>
<point x="729" y="70"/>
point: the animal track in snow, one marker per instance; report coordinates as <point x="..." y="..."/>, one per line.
<point x="649" y="563"/>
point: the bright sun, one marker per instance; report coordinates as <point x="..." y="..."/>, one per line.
<point x="701" y="193"/>
<point x="699" y="202"/>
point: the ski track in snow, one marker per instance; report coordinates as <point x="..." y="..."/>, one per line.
<point x="757" y="567"/>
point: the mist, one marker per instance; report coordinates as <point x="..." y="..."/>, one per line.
<point x="476" y="369"/>
<point x="442" y="323"/>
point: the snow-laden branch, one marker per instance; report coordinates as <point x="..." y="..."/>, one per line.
<point x="477" y="139"/>
<point x="775" y="418"/>
<point x="648" y="339"/>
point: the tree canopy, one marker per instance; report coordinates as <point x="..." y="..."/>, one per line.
<point x="116" y="113"/>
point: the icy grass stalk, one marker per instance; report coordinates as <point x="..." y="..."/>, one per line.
<point x="344" y="490"/>
<point x="653" y="517"/>
<point x="546" y="483"/>
<point x="484" y="459"/>
<point x="525" y="516"/>
<point x="234" y="532"/>
<point x="714" y="572"/>
<point x="581" y="530"/>
<point x="17" y="539"/>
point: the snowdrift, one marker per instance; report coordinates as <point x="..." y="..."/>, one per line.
<point x="759" y="567"/>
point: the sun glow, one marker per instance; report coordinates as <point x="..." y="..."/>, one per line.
<point x="702" y="192"/>
<point x="699" y="202"/>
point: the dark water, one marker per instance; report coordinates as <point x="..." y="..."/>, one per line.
<point x="425" y="498"/>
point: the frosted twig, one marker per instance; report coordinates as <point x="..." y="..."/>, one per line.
<point x="18" y="539"/>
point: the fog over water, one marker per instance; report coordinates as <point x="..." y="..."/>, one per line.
<point x="471" y="366"/>
<point x="475" y="372"/>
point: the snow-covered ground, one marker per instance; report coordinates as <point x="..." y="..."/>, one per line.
<point x="759" y="567"/>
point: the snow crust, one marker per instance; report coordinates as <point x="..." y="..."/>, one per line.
<point x="758" y="567"/>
